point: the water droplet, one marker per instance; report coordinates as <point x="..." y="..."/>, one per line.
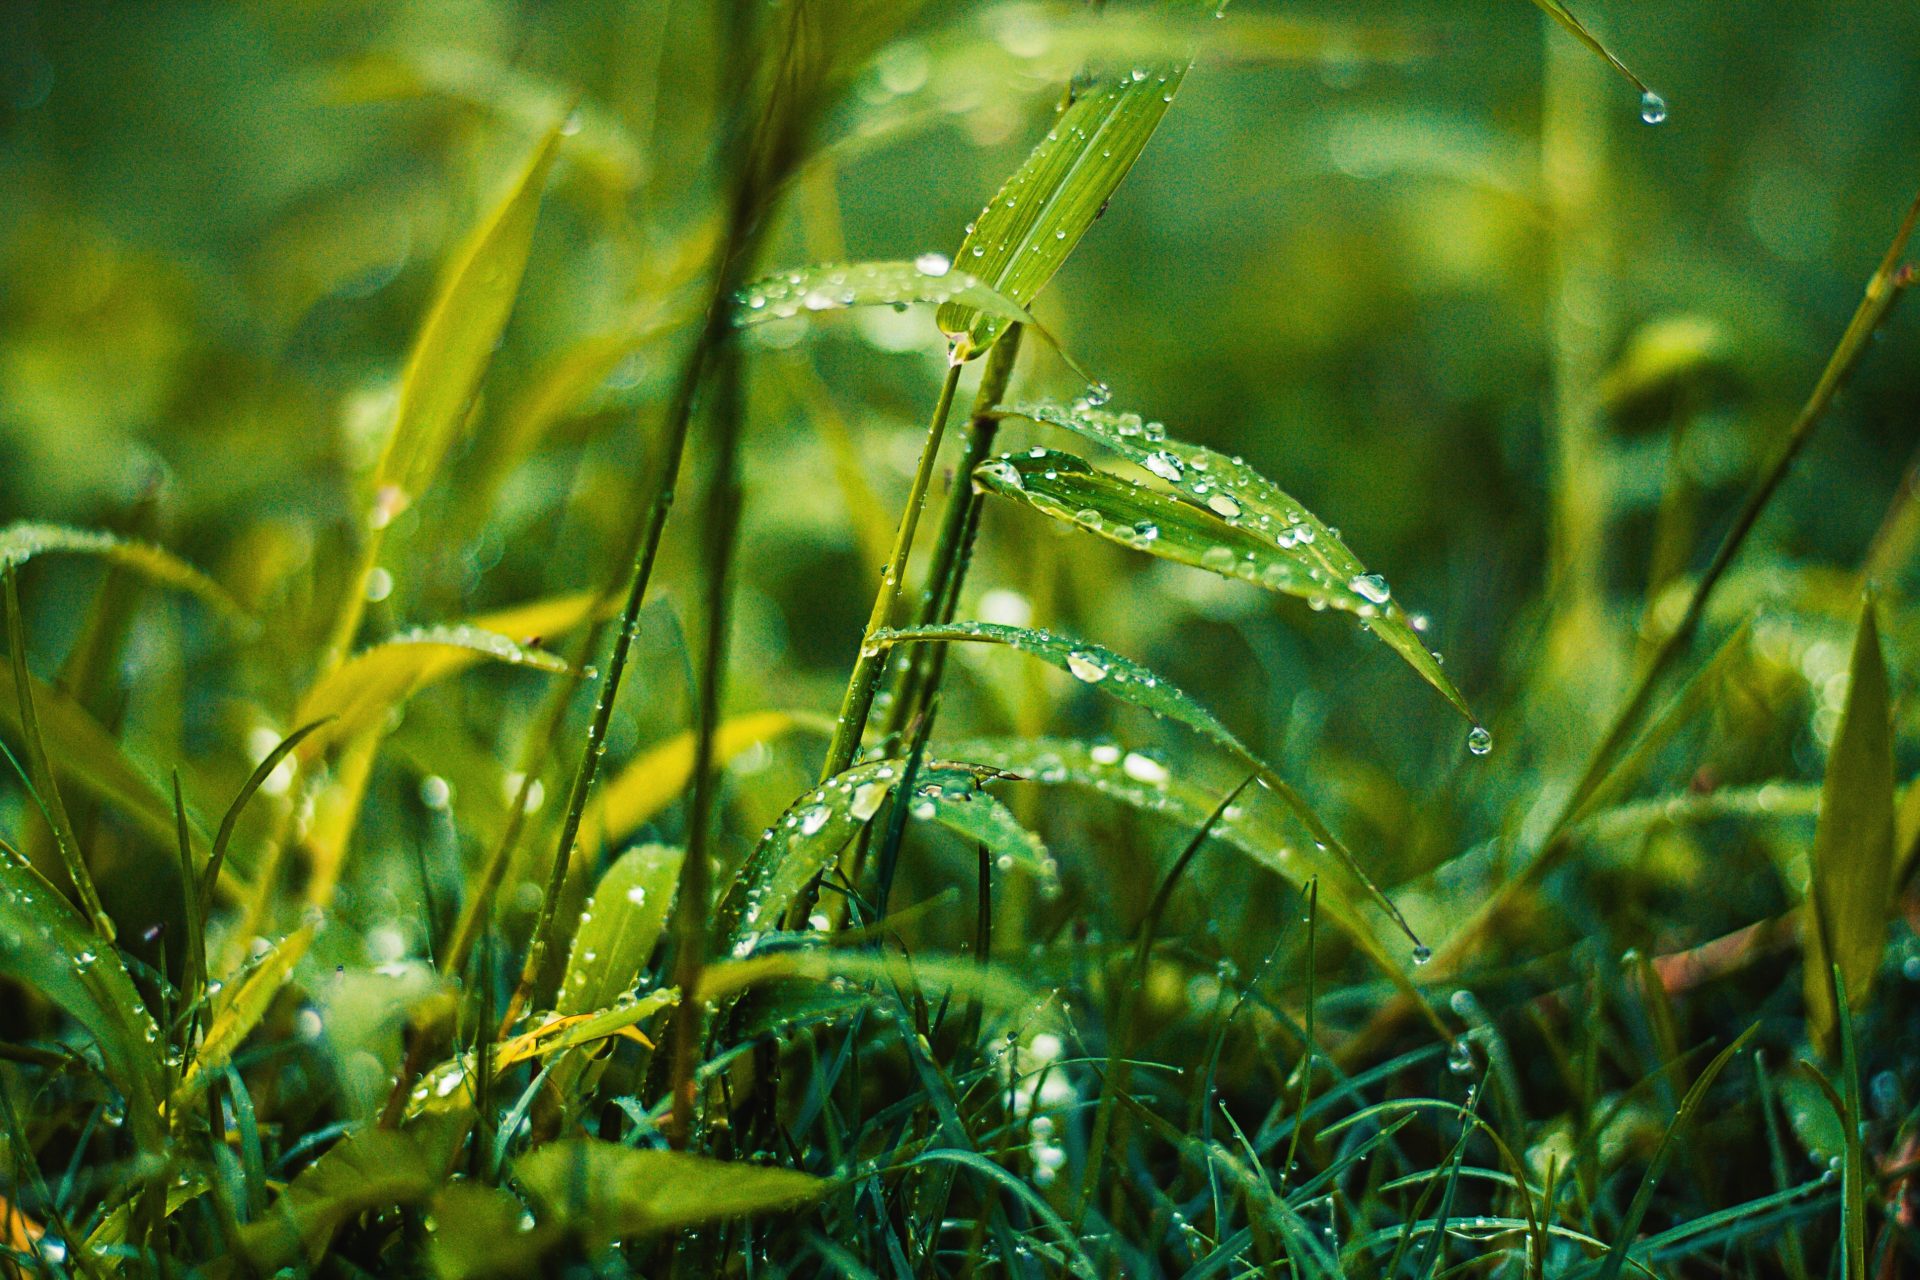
<point x="1085" y="667"/>
<point x="932" y="264"/>
<point x="1371" y="586"/>
<point x="1460" y="1057"/>
<point x="866" y="800"/>
<point x="1221" y="504"/>
<point x="1098" y="393"/>
<point x="1653" y="107"/>
<point x="1422" y="953"/>
<point x="1164" y="465"/>
<point x="813" y="818"/>
<point x="1479" y="741"/>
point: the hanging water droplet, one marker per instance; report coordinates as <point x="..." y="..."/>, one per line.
<point x="1084" y="667"/>
<point x="1371" y="586"/>
<point x="1460" y="1057"/>
<point x="1422" y="953"/>
<point x="1653" y="107"/>
<point x="1479" y="741"/>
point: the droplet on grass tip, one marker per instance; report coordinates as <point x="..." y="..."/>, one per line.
<point x="1479" y="741"/>
<point x="1653" y="107"/>
<point x="1422" y="953"/>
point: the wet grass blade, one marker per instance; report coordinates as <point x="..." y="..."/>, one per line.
<point x="240" y="1007"/>
<point x="803" y="842"/>
<point x="357" y="694"/>
<point x="1128" y="681"/>
<point x="619" y="929"/>
<point x="46" y="945"/>
<point x="222" y="839"/>
<point x="1039" y="214"/>
<point x="1653" y="108"/>
<point x="1851" y="874"/>
<point x="21" y="542"/>
<point x="1315" y="563"/>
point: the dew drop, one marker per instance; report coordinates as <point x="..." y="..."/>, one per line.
<point x="1221" y="504"/>
<point x="932" y="264"/>
<point x="1371" y="587"/>
<point x="1653" y="107"/>
<point x="1085" y="667"/>
<point x="813" y="818"/>
<point x="1422" y="953"/>
<point x="1098" y="393"/>
<point x="1479" y="741"/>
<point x="1460" y="1057"/>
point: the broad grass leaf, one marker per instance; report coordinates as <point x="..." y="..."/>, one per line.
<point x="22" y="542"/>
<point x="358" y="693"/>
<point x="1852" y="866"/>
<point x="1039" y="214"/>
<point x="607" y="1191"/>
<point x="480" y="1232"/>
<point x="46" y="946"/>
<point x="1286" y="548"/>
<point x="993" y="984"/>
<point x="366" y="1170"/>
<point x="804" y="841"/>
<point x="1128" y="681"/>
<point x="463" y="326"/>
<point x="659" y="775"/>
<point x="241" y="1004"/>
<point x="620" y="928"/>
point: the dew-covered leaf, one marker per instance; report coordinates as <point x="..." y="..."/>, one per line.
<point x="463" y="326"/>
<point x="619" y="929"/>
<point x="241" y="1004"/>
<point x="480" y="1233"/>
<point x="608" y="1191"/>
<point x="21" y="542"/>
<point x="660" y="774"/>
<point x="804" y="841"/>
<point x="357" y="693"/>
<point x="1852" y="865"/>
<point x="725" y="980"/>
<point x="1128" y="681"/>
<point x="46" y="946"/>
<point x="1216" y="514"/>
<point x="1039" y="214"/>
<point x="928" y="279"/>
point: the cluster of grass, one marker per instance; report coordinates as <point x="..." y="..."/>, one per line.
<point x="461" y="882"/>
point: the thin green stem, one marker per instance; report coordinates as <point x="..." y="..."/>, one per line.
<point x="858" y="703"/>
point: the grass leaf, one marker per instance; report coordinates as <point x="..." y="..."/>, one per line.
<point x="606" y="1191"/>
<point x="48" y="947"/>
<point x="1852" y="861"/>
<point x="27" y="539"/>
<point x="1039" y="214"/>
<point x="660" y="774"/>
<point x="1649" y="100"/>
<point x="1222" y="517"/>
<point x="241" y="1005"/>
<point x="620" y="928"/>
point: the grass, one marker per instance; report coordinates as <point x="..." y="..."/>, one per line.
<point x="464" y="873"/>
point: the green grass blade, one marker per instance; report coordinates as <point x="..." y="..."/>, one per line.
<point x="1852" y="865"/>
<point x="223" y="838"/>
<point x="605" y="1191"/>
<point x="1272" y="545"/>
<point x="815" y="828"/>
<point x="1128" y="681"/>
<point x="1653" y="108"/>
<point x="46" y="945"/>
<point x="23" y="541"/>
<point x="358" y="694"/>
<point x="240" y="1007"/>
<point x="929" y="279"/>
<point x="1629" y="1230"/>
<point x="1240" y="496"/>
<point x="620" y="928"/>
<point x="1039" y="214"/>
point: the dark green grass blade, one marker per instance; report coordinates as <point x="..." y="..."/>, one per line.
<point x="21" y="542"/>
<point x="1039" y="214"/>
<point x="1850" y="886"/>
<point x="620" y="928"/>
<point x="46" y="945"/>
<point x="1127" y="680"/>
<point x="1650" y="102"/>
<point x="224" y="837"/>
<point x="1236" y="495"/>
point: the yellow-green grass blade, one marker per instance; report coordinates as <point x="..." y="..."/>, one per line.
<point x="1852" y="865"/>
<point x="1039" y="215"/>
<point x="605" y="1191"/>
<point x="240" y="1006"/>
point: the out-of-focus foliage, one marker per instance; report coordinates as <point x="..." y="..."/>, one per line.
<point x="375" y="315"/>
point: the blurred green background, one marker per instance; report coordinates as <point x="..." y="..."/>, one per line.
<point x="1387" y="249"/>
